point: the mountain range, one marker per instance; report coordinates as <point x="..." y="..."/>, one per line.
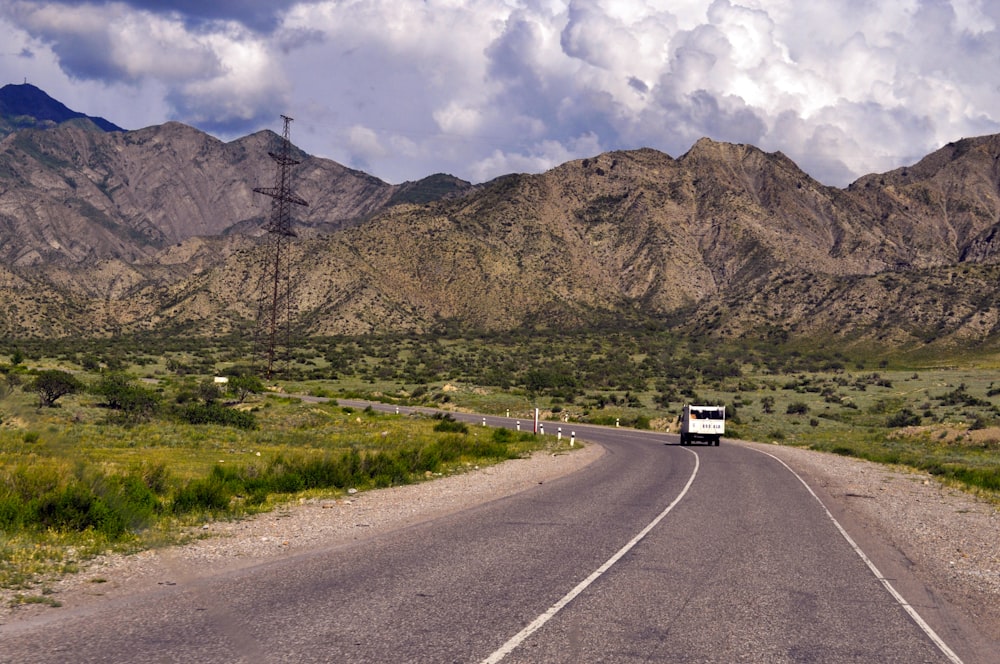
<point x="105" y="231"/>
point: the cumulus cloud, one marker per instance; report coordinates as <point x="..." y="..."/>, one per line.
<point x="223" y="78"/>
<point x="111" y="42"/>
<point x="478" y="88"/>
<point x="538" y="157"/>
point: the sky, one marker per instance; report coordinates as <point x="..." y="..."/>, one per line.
<point x="402" y="89"/>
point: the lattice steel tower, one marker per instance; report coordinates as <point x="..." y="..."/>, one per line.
<point x="275" y="306"/>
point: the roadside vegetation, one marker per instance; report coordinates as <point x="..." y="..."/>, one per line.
<point x="123" y="464"/>
<point x="131" y="447"/>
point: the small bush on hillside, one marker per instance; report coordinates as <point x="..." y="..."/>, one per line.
<point x="904" y="418"/>
<point x="215" y="413"/>
<point x="960" y="397"/>
<point x="797" y="408"/>
<point x="978" y="422"/>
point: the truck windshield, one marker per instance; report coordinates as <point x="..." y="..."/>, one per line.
<point x="712" y="414"/>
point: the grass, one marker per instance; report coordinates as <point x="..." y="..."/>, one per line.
<point x="73" y="485"/>
<point x="930" y="411"/>
<point x="35" y="599"/>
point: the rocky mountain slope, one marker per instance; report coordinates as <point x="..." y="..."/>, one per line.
<point x="75" y="194"/>
<point x="25" y="106"/>
<point x="724" y="240"/>
<point x="158" y="229"/>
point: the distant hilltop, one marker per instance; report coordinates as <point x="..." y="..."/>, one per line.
<point x="23" y="106"/>
<point x="158" y="230"/>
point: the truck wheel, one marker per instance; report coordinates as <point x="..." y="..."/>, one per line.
<point x="716" y="441"/>
<point x="684" y="439"/>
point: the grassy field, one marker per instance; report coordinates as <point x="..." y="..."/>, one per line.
<point x="80" y="479"/>
<point x="75" y="483"/>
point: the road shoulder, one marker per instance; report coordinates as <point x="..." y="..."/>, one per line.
<point x="936" y="544"/>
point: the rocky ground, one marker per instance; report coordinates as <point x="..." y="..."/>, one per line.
<point x="952" y="539"/>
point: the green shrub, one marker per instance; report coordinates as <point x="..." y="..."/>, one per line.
<point x="243" y="385"/>
<point x="502" y="435"/>
<point x="215" y="413"/>
<point x="346" y="469"/>
<point x="209" y="494"/>
<point x="960" y="397"/>
<point x="130" y="498"/>
<point x="385" y="469"/>
<point x="111" y="505"/>
<point x="12" y="513"/>
<point x="797" y="408"/>
<point x="155" y="477"/>
<point x="979" y="422"/>
<point x="450" y="425"/>
<point x="903" y="418"/>
<point x="121" y="393"/>
<point x="985" y="478"/>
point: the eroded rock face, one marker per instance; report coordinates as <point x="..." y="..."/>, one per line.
<point x="74" y="193"/>
<point x="160" y="227"/>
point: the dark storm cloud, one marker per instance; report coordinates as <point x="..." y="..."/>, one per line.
<point x="258" y="15"/>
<point x="638" y="85"/>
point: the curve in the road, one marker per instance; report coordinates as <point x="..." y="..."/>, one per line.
<point x="746" y="568"/>
<point x="597" y="433"/>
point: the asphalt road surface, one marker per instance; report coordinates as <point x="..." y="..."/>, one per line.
<point x="655" y="553"/>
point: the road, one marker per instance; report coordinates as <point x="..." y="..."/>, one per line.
<point x="655" y="553"/>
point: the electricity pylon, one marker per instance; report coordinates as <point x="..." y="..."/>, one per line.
<point x="275" y="307"/>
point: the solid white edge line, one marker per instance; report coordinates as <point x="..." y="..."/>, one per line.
<point x="537" y="623"/>
<point x="928" y="630"/>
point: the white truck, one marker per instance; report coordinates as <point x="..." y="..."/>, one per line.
<point x="706" y="423"/>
